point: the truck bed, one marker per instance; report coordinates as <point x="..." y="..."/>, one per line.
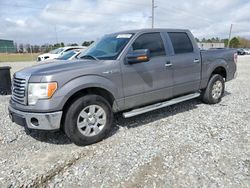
<point x="210" y="59"/>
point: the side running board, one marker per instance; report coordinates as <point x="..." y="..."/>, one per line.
<point x="152" y="107"/>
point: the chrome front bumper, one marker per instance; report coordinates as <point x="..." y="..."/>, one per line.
<point x="41" y="121"/>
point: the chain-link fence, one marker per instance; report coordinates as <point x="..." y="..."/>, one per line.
<point x="10" y="54"/>
<point x="28" y="53"/>
<point x="28" y="49"/>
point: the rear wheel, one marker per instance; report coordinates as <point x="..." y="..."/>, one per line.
<point x="88" y="120"/>
<point x="215" y="90"/>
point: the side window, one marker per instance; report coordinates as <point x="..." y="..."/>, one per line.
<point x="151" y="41"/>
<point x="181" y="43"/>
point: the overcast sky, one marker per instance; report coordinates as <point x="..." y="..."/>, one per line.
<point x="44" y="21"/>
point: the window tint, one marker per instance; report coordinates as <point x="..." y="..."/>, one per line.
<point x="181" y="43"/>
<point x="151" y="41"/>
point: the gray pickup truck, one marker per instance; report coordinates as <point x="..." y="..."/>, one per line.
<point x="133" y="72"/>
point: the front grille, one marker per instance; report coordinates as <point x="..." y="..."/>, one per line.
<point x="18" y="90"/>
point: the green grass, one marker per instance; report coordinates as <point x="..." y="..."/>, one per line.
<point x="17" y="57"/>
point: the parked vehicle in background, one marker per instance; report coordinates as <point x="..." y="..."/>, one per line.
<point x="57" y="52"/>
<point x="133" y="72"/>
<point x="240" y="51"/>
<point x="70" y="55"/>
<point x="247" y="51"/>
<point x="216" y="48"/>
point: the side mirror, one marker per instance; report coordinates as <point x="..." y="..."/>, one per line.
<point x="138" y="56"/>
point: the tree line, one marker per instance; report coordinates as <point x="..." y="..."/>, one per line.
<point x="235" y="42"/>
<point x="28" y="48"/>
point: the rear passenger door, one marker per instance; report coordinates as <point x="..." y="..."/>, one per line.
<point x="186" y="63"/>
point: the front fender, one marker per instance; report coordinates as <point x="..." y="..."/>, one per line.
<point x="57" y="102"/>
<point x="80" y="83"/>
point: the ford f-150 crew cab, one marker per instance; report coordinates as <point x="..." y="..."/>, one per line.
<point x="132" y="72"/>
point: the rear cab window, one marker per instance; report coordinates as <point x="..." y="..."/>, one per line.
<point x="151" y="41"/>
<point x="181" y="42"/>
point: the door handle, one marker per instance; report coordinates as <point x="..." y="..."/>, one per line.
<point x="168" y="64"/>
<point x="196" y="61"/>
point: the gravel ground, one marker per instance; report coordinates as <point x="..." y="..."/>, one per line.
<point x="186" y="145"/>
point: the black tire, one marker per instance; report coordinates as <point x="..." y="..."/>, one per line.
<point x="207" y="96"/>
<point x="71" y="118"/>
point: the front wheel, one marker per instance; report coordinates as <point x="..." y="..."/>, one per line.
<point x="215" y="90"/>
<point x="88" y="120"/>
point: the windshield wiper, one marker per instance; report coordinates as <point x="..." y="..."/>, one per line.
<point x="89" y="57"/>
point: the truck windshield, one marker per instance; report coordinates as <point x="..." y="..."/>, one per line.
<point x="107" y="48"/>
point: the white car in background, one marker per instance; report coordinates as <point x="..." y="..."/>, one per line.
<point x="70" y="55"/>
<point x="247" y="51"/>
<point x="57" y="53"/>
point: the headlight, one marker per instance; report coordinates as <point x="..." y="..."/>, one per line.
<point x="38" y="91"/>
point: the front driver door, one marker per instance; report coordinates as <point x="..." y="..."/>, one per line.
<point x="150" y="81"/>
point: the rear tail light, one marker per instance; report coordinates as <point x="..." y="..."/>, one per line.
<point x="235" y="57"/>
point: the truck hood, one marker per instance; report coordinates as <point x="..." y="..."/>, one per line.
<point x="55" y="67"/>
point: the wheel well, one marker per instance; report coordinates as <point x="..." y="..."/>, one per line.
<point x="93" y="90"/>
<point x="221" y="71"/>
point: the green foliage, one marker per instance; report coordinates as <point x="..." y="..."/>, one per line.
<point x="234" y="43"/>
<point x="73" y="44"/>
<point x="87" y="43"/>
<point x="213" y="39"/>
<point x="57" y="45"/>
<point x="203" y="40"/>
<point x="225" y="42"/>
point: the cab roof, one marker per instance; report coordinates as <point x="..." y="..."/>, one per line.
<point x="149" y="30"/>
